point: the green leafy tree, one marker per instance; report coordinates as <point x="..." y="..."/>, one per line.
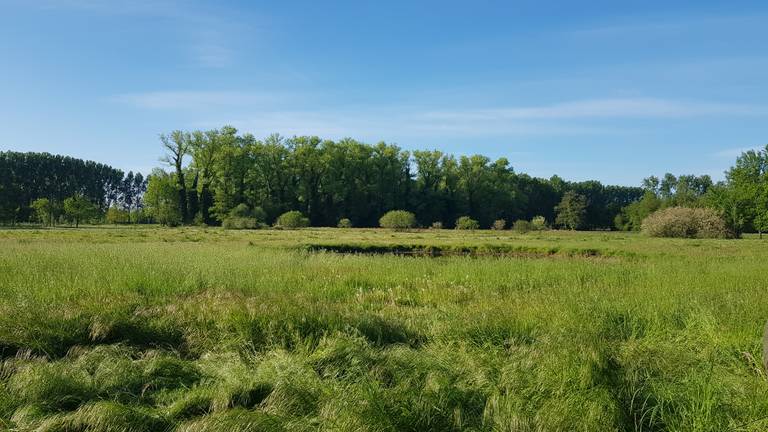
<point x="571" y="211"/>
<point x="162" y="198"/>
<point x="78" y="208"/>
<point x="44" y="211"/>
<point x="760" y="221"/>
<point x="177" y="145"/>
<point x="235" y="169"/>
<point x="117" y="216"/>
<point x="205" y="148"/>
<point x="748" y="183"/>
<point x="632" y="216"/>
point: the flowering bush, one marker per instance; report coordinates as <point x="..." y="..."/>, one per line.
<point x="684" y="222"/>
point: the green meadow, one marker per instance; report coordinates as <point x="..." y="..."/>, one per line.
<point x="195" y="329"/>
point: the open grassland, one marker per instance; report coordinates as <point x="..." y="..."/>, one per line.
<point x="148" y="329"/>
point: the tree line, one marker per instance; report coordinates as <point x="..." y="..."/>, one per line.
<point x="219" y="174"/>
<point x="36" y="187"/>
<point x="222" y="177"/>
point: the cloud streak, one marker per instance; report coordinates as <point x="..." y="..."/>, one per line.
<point x="201" y="100"/>
<point x="212" y="54"/>
<point x="605" y="108"/>
<point x="667" y="26"/>
<point x="264" y="112"/>
<point x="733" y="153"/>
<point x="210" y="47"/>
<point x="378" y="124"/>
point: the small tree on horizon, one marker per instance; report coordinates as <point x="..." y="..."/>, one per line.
<point x="44" y="211"/>
<point x="162" y="198"/>
<point x="78" y="208"/>
<point x="571" y="211"/>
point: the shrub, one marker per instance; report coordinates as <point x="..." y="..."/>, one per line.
<point x="398" y="220"/>
<point x="499" y="224"/>
<point x="240" y="210"/>
<point x="437" y="225"/>
<point x="345" y="223"/>
<point x="240" y="223"/>
<point x="242" y="217"/>
<point x="539" y="223"/>
<point x="686" y="222"/>
<point x="198" y="220"/>
<point x="522" y="226"/>
<point x="292" y="219"/>
<point x="467" y="223"/>
<point x="118" y="216"/>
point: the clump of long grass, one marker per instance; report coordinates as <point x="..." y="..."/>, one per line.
<point x="108" y="417"/>
<point x="54" y="386"/>
<point x="235" y="420"/>
<point x="194" y="330"/>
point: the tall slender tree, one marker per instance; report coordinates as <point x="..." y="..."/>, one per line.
<point x="177" y="145"/>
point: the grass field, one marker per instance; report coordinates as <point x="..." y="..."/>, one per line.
<point x="191" y="329"/>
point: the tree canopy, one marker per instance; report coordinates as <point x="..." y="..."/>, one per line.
<point x="332" y="180"/>
<point x="215" y="174"/>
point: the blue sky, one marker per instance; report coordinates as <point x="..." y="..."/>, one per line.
<point x="606" y="90"/>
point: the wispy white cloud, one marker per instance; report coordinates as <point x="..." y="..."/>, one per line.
<point x="389" y="123"/>
<point x="670" y="25"/>
<point x="733" y="153"/>
<point x="167" y="8"/>
<point x="605" y="108"/>
<point x="208" y="33"/>
<point x="212" y="53"/>
<point x="201" y="100"/>
<point x="263" y="113"/>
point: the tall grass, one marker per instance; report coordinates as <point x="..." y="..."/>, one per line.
<point x="203" y="330"/>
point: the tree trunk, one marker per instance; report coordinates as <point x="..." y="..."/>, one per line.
<point x="204" y="202"/>
<point x="182" y="194"/>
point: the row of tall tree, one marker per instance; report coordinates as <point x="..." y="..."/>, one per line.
<point x="213" y="172"/>
<point x="27" y="177"/>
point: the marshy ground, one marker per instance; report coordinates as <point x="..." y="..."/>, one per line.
<point x="194" y="329"/>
